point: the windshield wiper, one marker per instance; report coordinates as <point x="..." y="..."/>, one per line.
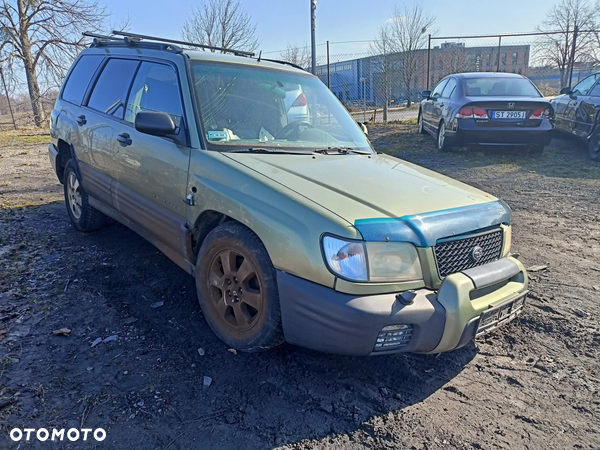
<point x="269" y="150"/>
<point x="341" y="150"/>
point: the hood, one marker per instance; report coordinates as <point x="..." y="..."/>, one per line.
<point x="358" y="187"/>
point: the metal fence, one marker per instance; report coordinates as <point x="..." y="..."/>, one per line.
<point x="375" y="86"/>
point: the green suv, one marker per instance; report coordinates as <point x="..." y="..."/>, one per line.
<point x="295" y="230"/>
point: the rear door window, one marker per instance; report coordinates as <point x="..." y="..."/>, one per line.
<point x="449" y="89"/>
<point x="80" y="78"/>
<point x="437" y="92"/>
<point x="110" y="92"/>
<point x="155" y="89"/>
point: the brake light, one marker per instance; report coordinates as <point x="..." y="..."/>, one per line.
<point x="479" y="113"/>
<point x="300" y="101"/>
<point x="466" y="112"/>
<point x="472" y="112"/>
<point x="539" y="113"/>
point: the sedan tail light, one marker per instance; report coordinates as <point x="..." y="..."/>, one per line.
<point x="466" y="112"/>
<point x="541" y="113"/>
<point x="472" y="112"/>
<point x="300" y="101"/>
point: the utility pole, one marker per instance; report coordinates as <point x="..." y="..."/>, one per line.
<point x="313" y="8"/>
<point x="572" y="57"/>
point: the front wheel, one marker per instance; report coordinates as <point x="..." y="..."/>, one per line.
<point x="83" y="217"/>
<point x="442" y="144"/>
<point x="237" y="289"/>
<point x="594" y="146"/>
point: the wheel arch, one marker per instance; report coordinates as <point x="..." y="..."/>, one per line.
<point x="65" y="153"/>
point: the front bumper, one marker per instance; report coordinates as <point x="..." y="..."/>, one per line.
<point x="321" y="318"/>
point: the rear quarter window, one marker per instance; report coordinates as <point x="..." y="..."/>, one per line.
<point x="110" y="92"/>
<point x="80" y="78"/>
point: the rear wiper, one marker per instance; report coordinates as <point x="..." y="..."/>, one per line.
<point x="341" y="150"/>
<point x="268" y="150"/>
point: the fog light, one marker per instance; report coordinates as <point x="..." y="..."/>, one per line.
<point x="393" y="336"/>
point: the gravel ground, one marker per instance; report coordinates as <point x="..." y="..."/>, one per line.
<point x="533" y="384"/>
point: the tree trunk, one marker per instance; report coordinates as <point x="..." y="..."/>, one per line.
<point x="32" y="82"/>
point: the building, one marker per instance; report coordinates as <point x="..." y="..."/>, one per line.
<point x="367" y="79"/>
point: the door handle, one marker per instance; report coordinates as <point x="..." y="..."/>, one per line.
<point x="81" y="120"/>
<point x="124" y="139"/>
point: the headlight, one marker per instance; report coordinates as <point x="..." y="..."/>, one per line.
<point x="346" y="258"/>
<point x="372" y="261"/>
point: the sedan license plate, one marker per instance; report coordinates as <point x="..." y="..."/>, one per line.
<point x="508" y="114"/>
<point x="501" y="314"/>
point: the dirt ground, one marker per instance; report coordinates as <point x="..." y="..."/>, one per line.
<point x="533" y="384"/>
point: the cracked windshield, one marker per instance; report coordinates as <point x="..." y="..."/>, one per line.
<point x="248" y="108"/>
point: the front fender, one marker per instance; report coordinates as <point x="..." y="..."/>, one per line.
<point x="289" y="225"/>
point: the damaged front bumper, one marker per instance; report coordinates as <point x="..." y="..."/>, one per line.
<point x="470" y="302"/>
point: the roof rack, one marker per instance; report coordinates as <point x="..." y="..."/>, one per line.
<point x="100" y="40"/>
<point x="139" y="37"/>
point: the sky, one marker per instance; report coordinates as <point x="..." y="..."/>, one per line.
<point x="288" y="21"/>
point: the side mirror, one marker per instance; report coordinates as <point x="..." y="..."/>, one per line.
<point x="425" y="94"/>
<point x="565" y="90"/>
<point x="155" y="123"/>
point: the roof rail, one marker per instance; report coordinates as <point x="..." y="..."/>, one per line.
<point x="100" y="40"/>
<point x="139" y="37"/>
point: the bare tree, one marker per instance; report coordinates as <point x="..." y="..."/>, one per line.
<point x="221" y="23"/>
<point x="408" y="29"/>
<point x="555" y="49"/>
<point x="43" y="37"/>
<point x="296" y="55"/>
<point x="381" y="49"/>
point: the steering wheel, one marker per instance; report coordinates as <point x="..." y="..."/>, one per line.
<point x="292" y="130"/>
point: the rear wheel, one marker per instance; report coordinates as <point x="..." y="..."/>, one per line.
<point x="442" y="144"/>
<point x="83" y="216"/>
<point x="594" y="146"/>
<point x="420" y="122"/>
<point x="237" y="289"/>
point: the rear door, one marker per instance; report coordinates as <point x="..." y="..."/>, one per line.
<point x="104" y="109"/>
<point x="443" y="104"/>
<point x="152" y="170"/>
<point x="430" y="107"/>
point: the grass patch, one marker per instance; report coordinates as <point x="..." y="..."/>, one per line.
<point x="23" y="137"/>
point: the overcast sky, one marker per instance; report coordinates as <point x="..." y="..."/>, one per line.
<point x="282" y="21"/>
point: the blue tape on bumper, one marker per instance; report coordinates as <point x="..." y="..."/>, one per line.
<point x="424" y="230"/>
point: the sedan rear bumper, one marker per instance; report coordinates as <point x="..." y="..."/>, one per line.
<point x="469" y="133"/>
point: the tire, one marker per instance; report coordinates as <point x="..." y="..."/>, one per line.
<point x="420" y="123"/>
<point x="237" y="289"/>
<point x="442" y="145"/>
<point x="594" y="146"/>
<point x="83" y="217"/>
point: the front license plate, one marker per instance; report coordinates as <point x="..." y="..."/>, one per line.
<point x="508" y="114"/>
<point x="499" y="315"/>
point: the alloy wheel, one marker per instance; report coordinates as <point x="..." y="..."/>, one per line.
<point x="74" y="195"/>
<point x="235" y="289"/>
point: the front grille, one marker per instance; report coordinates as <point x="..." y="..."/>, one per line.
<point x="453" y="255"/>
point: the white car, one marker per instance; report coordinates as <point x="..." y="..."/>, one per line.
<point x="295" y="103"/>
